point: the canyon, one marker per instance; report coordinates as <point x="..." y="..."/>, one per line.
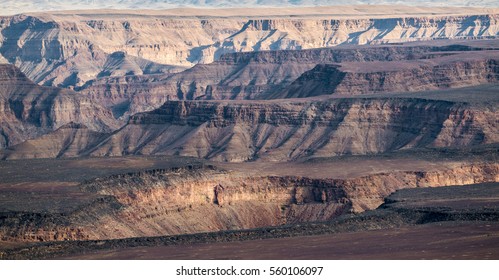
<point x="208" y="199"/>
<point x="239" y="131"/>
<point x="195" y="127"/>
<point x="307" y="73"/>
<point x="70" y="49"/>
<point x="307" y="83"/>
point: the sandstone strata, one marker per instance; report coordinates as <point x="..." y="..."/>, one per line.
<point x="277" y="131"/>
<point x="305" y="73"/>
<point x="374" y="77"/>
<point x="63" y="49"/>
<point x="185" y="201"/>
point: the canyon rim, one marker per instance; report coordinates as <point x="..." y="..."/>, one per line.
<point x="158" y="130"/>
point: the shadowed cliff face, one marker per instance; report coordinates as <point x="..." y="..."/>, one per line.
<point x="62" y="54"/>
<point x="28" y="110"/>
<point x="277" y="131"/>
<point x="69" y="50"/>
<point x="306" y="73"/>
<point x="204" y="200"/>
<point x="372" y="77"/>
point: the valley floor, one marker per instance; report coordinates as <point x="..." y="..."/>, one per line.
<point x="460" y="222"/>
<point x="318" y="133"/>
<point x="449" y="240"/>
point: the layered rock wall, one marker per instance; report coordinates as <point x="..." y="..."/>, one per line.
<point x="204" y="200"/>
<point x="306" y="73"/>
<point x="368" y="78"/>
<point x="277" y="131"/>
<point x="28" y="110"/>
<point x="69" y="50"/>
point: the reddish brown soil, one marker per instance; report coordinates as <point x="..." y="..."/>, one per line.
<point x="431" y="241"/>
<point x="337" y="168"/>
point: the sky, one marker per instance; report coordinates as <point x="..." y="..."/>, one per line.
<point x="10" y="7"/>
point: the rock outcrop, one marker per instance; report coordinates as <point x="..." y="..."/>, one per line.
<point x="28" y="110"/>
<point x="184" y="201"/>
<point x="305" y="73"/>
<point x="67" y="54"/>
<point x="63" y="49"/>
<point x="279" y="131"/>
<point x="397" y="76"/>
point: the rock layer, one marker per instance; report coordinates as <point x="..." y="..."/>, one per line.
<point x="63" y="49"/>
<point x="28" y="110"/>
<point x="305" y="73"/>
<point x="188" y="201"/>
<point x="375" y="77"/>
<point x="277" y="131"/>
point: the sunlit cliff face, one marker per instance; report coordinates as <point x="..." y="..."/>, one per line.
<point x="69" y="50"/>
<point x="205" y="200"/>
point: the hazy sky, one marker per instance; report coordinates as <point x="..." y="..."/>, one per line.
<point x="8" y="7"/>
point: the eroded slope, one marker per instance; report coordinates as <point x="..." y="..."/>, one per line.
<point x="28" y="110"/>
<point x="306" y="73"/>
<point x="279" y="131"/>
<point x="68" y="49"/>
<point x="189" y="200"/>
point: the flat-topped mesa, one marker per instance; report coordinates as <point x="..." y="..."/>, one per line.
<point x="64" y="49"/>
<point x="395" y="76"/>
<point x="282" y="131"/>
<point x="453" y="74"/>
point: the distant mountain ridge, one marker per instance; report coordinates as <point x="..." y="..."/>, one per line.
<point x="69" y="49"/>
<point x="11" y="7"/>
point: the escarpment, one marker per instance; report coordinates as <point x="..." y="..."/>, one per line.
<point x="306" y="73"/>
<point x="67" y="54"/>
<point x="281" y="131"/>
<point x="374" y="77"/>
<point x="189" y="200"/>
<point x="28" y="110"/>
<point x="64" y="49"/>
<point x="250" y="125"/>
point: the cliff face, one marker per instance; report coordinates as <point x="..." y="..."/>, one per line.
<point x="66" y="54"/>
<point x="374" y="77"/>
<point x="69" y="50"/>
<point x="204" y="200"/>
<point x="305" y="73"/>
<point x="277" y="131"/>
<point x="28" y="110"/>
